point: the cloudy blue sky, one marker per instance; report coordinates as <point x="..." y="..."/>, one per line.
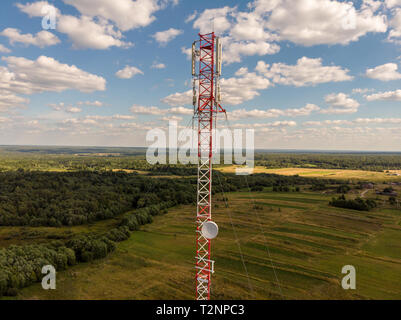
<point x="305" y="74"/>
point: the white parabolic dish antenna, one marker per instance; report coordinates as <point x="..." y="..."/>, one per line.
<point x="210" y="230"/>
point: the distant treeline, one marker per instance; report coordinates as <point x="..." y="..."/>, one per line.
<point x="37" y="150"/>
<point x="68" y="162"/>
<point x="104" y="159"/>
<point x="371" y="162"/>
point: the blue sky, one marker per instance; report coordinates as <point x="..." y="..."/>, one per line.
<point x="305" y="74"/>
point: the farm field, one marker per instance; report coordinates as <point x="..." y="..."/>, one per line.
<point x="340" y="174"/>
<point x="295" y="235"/>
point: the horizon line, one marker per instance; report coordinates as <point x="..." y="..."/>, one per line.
<point x="256" y="149"/>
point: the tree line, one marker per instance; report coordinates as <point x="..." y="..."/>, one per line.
<point x="362" y="161"/>
<point x="21" y="266"/>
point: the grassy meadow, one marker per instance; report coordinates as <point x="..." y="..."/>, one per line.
<point x="308" y="243"/>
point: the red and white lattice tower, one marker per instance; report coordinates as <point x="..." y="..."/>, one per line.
<point x="206" y="107"/>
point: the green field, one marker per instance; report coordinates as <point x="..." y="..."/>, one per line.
<point x="308" y="243"/>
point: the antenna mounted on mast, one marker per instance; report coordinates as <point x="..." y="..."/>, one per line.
<point x="206" y="107"/>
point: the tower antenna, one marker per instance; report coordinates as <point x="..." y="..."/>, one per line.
<point x="208" y="51"/>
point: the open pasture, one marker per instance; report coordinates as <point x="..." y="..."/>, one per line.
<point x="293" y="246"/>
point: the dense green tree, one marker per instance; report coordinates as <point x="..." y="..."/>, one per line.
<point x="355" y="204"/>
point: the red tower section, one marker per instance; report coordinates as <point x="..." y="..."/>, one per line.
<point x="207" y="109"/>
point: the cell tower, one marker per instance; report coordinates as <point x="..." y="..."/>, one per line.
<point x="208" y="51"/>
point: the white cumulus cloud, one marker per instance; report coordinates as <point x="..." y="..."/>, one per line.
<point x="385" y="96"/>
<point x="156" y="111"/>
<point x="74" y="110"/>
<point x="128" y="72"/>
<point x="273" y="113"/>
<point x="41" y="39"/>
<point x="361" y="90"/>
<point x="46" y="74"/>
<point x="214" y="19"/>
<point x="257" y="30"/>
<point x="126" y="14"/>
<point x="10" y="100"/>
<point x="385" y="72"/>
<point x="236" y="90"/>
<point x="24" y="76"/>
<point x="179" y="98"/>
<point x="395" y="24"/>
<point x="95" y="103"/>
<point x="307" y="72"/>
<point x="313" y="22"/>
<point x="86" y="31"/>
<point x="393" y="3"/>
<point x="163" y="37"/>
<point x="158" y="65"/>
<point x="340" y="103"/>
<point x="4" y="49"/>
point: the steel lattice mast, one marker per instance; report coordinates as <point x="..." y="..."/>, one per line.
<point x="206" y="107"/>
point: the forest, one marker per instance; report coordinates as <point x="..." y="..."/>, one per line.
<point x="354" y="161"/>
<point x="32" y="198"/>
<point x="75" y="198"/>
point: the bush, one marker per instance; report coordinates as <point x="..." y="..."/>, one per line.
<point x="392" y="200"/>
<point x="281" y="189"/>
<point x="118" y="234"/>
<point x="344" y="188"/>
<point x="318" y="186"/>
<point x="86" y="256"/>
<point x="356" y="204"/>
<point x="256" y="188"/>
